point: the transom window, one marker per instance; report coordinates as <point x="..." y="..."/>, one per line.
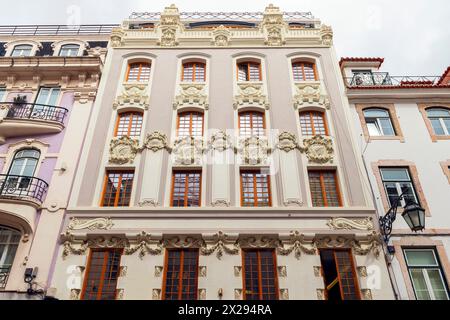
<point x="378" y="122"/>
<point x="255" y="189"/>
<point x="194" y="72"/>
<point x="260" y="275"/>
<point x="304" y="71"/>
<point x="440" y="120"/>
<point x="181" y="274"/>
<point x="426" y="274"/>
<point x="129" y="124"/>
<point x="9" y="242"/>
<point x="251" y="123"/>
<point x="397" y="181"/>
<point x="69" y="50"/>
<point x="339" y="275"/>
<point x="117" y="188"/>
<point x="324" y="188"/>
<point x="190" y="124"/>
<point x="186" y="188"/>
<point x="102" y="272"/>
<point x="313" y="123"/>
<point x="22" y="50"/>
<point x="249" y="71"/>
<point x="139" y="72"/>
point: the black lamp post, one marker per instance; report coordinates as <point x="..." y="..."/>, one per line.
<point x="413" y="214"/>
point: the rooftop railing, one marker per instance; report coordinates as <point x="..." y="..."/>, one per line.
<point x="48" y="30"/>
<point x="384" y="79"/>
<point x="288" y="16"/>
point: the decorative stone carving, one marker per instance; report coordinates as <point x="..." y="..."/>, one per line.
<point x="220" y="141"/>
<point x="350" y="224"/>
<point x="192" y="94"/>
<point x="297" y="244"/>
<point x="317" y="271"/>
<point x="220" y="203"/>
<point x="183" y="242"/>
<point x="250" y="95"/>
<point x="123" y="271"/>
<point x="145" y="245"/>
<point x="274" y="36"/>
<point x="84" y="97"/>
<point x="133" y="94"/>
<point x="202" y="271"/>
<point x="254" y="150"/>
<point x="237" y="294"/>
<point x="169" y="24"/>
<point x="90" y="224"/>
<point x="156" y="294"/>
<point x="148" y="203"/>
<point x="188" y="150"/>
<point x="367" y="294"/>
<point x="116" y="37"/>
<point x="221" y="36"/>
<point x="318" y="149"/>
<point x="282" y="271"/>
<point x="158" y="271"/>
<point x="168" y="37"/>
<point x="320" y="294"/>
<point x="237" y="271"/>
<point x="123" y="150"/>
<point x="284" y="294"/>
<point x="68" y="242"/>
<point x="326" y="33"/>
<point x="362" y="271"/>
<point x="309" y="94"/>
<point x="363" y="246"/>
<point x="75" y="294"/>
<point x="293" y="202"/>
<point x="258" y="241"/>
<point x="273" y="25"/>
<point x="287" y="141"/>
<point x="201" y="294"/>
<point x="156" y="141"/>
<point x="220" y="245"/>
<point x="120" y="293"/>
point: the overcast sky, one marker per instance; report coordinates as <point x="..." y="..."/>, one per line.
<point x="412" y="35"/>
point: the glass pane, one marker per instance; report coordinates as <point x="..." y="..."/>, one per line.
<point x="375" y="113"/>
<point x="437" y="127"/>
<point x="420" y="258"/>
<point x="43" y="96"/>
<point x="438" y="112"/>
<point x="420" y="286"/>
<point x="2" y="94"/>
<point x="54" y="94"/>
<point x="386" y="127"/>
<point x="437" y="284"/>
<point x="395" y="174"/>
<point x="372" y="127"/>
<point x="447" y="125"/>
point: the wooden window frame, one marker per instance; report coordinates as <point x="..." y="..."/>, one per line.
<point x="311" y="121"/>
<point x="260" y="293"/>
<point x="88" y="267"/>
<point x="302" y="63"/>
<point x="445" y="165"/>
<point x="252" y="112"/>
<point x="322" y="186"/>
<point x="141" y="64"/>
<point x="180" y="280"/>
<point x="390" y="107"/>
<point x="423" y="111"/>
<point x="255" y="197"/>
<point x="195" y="64"/>
<point x="130" y="124"/>
<point x="117" y="195"/>
<point x="248" y="70"/>
<point x="191" y="113"/>
<point x="186" y="187"/>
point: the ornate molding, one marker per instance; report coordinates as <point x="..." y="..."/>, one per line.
<point x="133" y="94"/>
<point x="123" y="150"/>
<point x="273" y="26"/>
<point x="284" y="294"/>
<point x="158" y="271"/>
<point x="362" y="271"/>
<point x="202" y="271"/>
<point x="297" y="244"/>
<point x="238" y="294"/>
<point x="237" y="271"/>
<point x="367" y="294"/>
<point x="320" y="294"/>
<point x="220" y="203"/>
<point x="220" y="245"/>
<point x="282" y="271"/>
<point x="326" y="33"/>
<point x="183" y="242"/>
<point x="220" y="141"/>
<point x="145" y="245"/>
<point x="309" y="94"/>
<point x="75" y="294"/>
<point x="148" y="203"/>
<point x="156" y="141"/>
<point x="117" y="35"/>
<point x="254" y="150"/>
<point x="191" y="95"/>
<point x="169" y="24"/>
<point x="318" y="149"/>
<point x="201" y="294"/>
<point x="221" y="36"/>
<point x="251" y="95"/>
<point x="287" y="142"/>
<point x="90" y="224"/>
<point x="369" y="243"/>
<point x="258" y="241"/>
<point x="71" y="246"/>
<point x="188" y="150"/>
<point x="317" y="271"/>
<point x="156" y="294"/>
<point x="84" y="97"/>
<point x="350" y="224"/>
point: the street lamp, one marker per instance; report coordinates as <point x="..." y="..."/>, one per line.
<point x="413" y="214"/>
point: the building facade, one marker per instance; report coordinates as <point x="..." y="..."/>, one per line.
<point x="48" y="82"/>
<point x="403" y="130"/>
<point x="220" y="163"/>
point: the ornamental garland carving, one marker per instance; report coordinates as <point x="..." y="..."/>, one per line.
<point x="90" y="224"/>
<point x="220" y="141"/>
<point x="156" y="141"/>
<point x="123" y="150"/>
<point x="251" y="95"/>
<point x="133" y="94"/>
<point x="350" y="224"/>
<point x="369" y="243"/>
<point x="309" y="94"/>
<point x="221" y="36"/>
<point x="220" y="245"/>
<point x="254" y="150"/>
<point x="192" y="94"/>
<point x="188" y="150"/>
<point x="146" y="245"/>
<point x="296" y="244"/>
<point x="318" y="149"/>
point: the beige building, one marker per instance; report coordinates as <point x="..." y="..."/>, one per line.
<point x="220" y="163"/>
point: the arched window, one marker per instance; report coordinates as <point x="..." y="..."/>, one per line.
<point x="69" y="50"/>
<point x="190" y="124"/>
<point x="249" y="71"/>
<point x="378" y="122"/>
<point x="129" y="124"/>
<point x="313" y="123"/>
<point x="304" y="71"/>
<point x="440" y="120"/>
<point x="22" y="50"/>
<point x="9" y="241"/>
<point x="193" y="72"/>
<point x="22" y="168"/>
<point x="139" y="72"/>
<point x="251" y="123"/>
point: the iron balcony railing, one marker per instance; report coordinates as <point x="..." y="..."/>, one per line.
<point x="35" y="111"/>
<point x="367" y="79"/>
<point x="22" y="187"/>
<point x="46" y="30"/>
<point x="4" y="274"/>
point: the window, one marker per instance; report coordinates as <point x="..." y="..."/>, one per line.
<point x="186" y="188"/>
<point x="190" y="124"/>
<point x="193" y="72"/>
<point x="2" y="93"/>
<point x="251" y="123"/>
<point x="69" y="50"/>
<point x="339" y="275"/>
<point x="181" y="274"/>
<point x="9" y="241"/>
<point x="138" y="72"/>
<point x="101" y="274"/>
<point x="426" y="274"/>
<point x="260" y="275"/>
<point x="313" y="123"/>
<point x="397" y="181"/>
<point x="440" y="120"/>
<point x="304" y="71"/>
<point x="324" y="188"/>
<point x="117" y="188"/>
<point x="129" y="124"/>
<point x="22" y="170"/>
<point x="22" y="50"/>
<point x="249" y="71"/>
<point x="255" y="189"/>
<point x="378" y="122"/>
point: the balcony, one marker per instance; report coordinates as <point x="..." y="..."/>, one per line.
<point x="4" y="274"/>
<point x="22" y="188"/>
<point x="385" y="80"/>
<point x="23" y="119"/>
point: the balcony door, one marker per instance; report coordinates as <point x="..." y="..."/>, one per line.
<point x="21" y="172"/>
<point x="46" y="100"/>
<point x="9" y="241"/>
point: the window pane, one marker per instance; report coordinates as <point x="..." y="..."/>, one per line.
<point x="420" y="286"/>
<point x="437" y="284"/>
<point x="437" y="127"/>
<point x="420" y="258"/>
<point x="117" y="190"/>
<point x="129" y="124"/>
<point x="251" y="124"/>
<point x="190" y="124"/>
<point x="186" y="189"/>
<point x="386" y="127"/>
<point x="324" y="189"/>
<point x="375" y="113"/>
<point x="438" y="112"/>
<point x="255" y="189"/>
<point x="395" y="174"/>
<point x="373" y="128"/>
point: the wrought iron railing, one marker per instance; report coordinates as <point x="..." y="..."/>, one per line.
<point x="34" y="30"/>
<point x="4" y="274"/>
<point x="377" y="79"/>
<point x="288" y="16"/>
<point x="22" y="187"/>
<point x="35" y="111"/>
